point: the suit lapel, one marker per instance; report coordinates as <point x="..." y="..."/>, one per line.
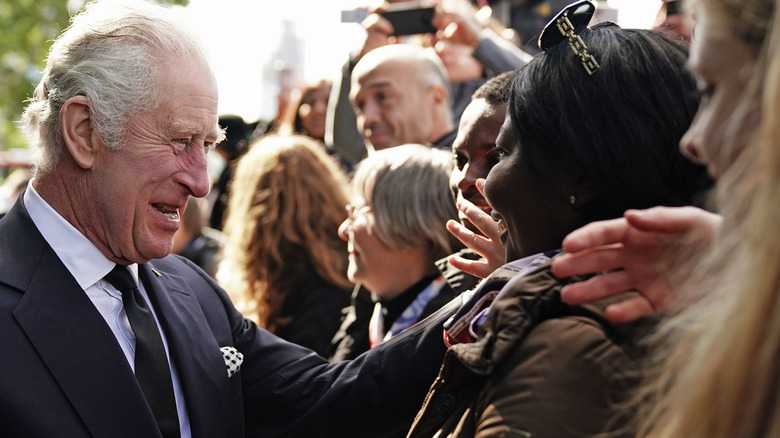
<point x="71" y="337"/>
<point x="193" y="349"/>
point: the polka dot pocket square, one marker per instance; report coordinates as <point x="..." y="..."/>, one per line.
<point x="233" y="359"/>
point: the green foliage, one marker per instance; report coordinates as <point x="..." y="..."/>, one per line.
<point x="27" y="29"/>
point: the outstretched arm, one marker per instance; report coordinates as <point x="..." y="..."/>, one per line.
<point x="634" y="249"/>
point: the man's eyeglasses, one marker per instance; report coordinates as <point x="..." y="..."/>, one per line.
<point x="566" y="26"/>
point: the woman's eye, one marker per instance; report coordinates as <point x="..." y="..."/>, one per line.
<point x="706" y="89"/>
<point x="493" y="156"/>
<point x="500" y="152"/>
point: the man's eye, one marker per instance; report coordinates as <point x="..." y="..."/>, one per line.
<point x="460" y="161"/>
<point x="382" y="98"/>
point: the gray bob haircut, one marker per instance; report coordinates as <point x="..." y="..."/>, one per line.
<point x="110" y="53"/>
<point x="407" y="188"/>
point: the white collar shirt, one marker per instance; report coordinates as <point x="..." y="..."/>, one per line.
<point x="88" y="266"/>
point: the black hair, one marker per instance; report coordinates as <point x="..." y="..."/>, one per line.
<point x="496" y="89"/>
<point x="236" y="135"/>
<point x="621" y="127"/>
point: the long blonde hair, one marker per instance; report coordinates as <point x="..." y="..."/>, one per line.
<point x="720" y="370"/>
<point x="287" y="201"/>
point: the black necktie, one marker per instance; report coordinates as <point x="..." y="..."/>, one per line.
<point x="151" y="363"/>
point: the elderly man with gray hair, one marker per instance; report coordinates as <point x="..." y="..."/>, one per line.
<point x="108" y="335"/>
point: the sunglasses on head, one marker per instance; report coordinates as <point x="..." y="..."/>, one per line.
<point x="567" y="25"/>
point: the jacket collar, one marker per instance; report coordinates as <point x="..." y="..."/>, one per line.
<point x="525" y="302"/>
<point x="69" y="334"/>
<point x="81" y="352"/>
<point x="193" y="348"/>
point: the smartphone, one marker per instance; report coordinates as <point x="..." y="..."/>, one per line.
<point x="354" y="15"/>
<point x="408" y="18"/>
<point x="673" y="7"/>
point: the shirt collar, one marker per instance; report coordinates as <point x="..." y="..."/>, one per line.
<point x="79" y="255"/>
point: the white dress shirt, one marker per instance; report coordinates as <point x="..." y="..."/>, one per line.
<point x="88" y="266"/>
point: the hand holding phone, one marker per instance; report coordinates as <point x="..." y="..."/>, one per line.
<point x="673" y="7"/>
<point x="410" y="18"/>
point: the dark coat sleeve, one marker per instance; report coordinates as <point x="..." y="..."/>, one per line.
<point x="290" y="391"/>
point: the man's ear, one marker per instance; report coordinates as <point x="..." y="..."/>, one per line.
<point x="439" y="94"/>
<point x="77" y="131"/>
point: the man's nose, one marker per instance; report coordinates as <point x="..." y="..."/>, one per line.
<point x="196" y="175"/>
<point x="371" y="114"/>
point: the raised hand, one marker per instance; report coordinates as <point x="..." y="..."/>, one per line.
<point x="488" y="244"/>
<point x="378" y="32"/>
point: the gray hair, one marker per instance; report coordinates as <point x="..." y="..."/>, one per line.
<point x="407" y="189"/>
<point x="110" y="53"/>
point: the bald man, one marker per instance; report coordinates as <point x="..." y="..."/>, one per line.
<point x="400" y="94"/>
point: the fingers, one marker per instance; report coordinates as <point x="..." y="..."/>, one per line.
<point x="469" y="238"/>
<point x="477" y="268"/>
<point x="673" y="219"/>
<point x="605" y="286"/>
<point x="378" y="33"/>
<point x="483" y="221"/>
<point x="589" y="261"/>
<point x="596" y="288"/>
<point x="596" y="234"/>
<point x="629" y="310"/>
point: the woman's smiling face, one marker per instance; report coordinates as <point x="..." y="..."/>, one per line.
<point x="530" y="209"/>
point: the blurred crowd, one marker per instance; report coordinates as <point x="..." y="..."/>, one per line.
<point x="599" y="201"/>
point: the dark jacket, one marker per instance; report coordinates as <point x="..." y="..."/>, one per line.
<point x="352" y="340"/>
<point x="352" y="337"/>
<point x="63" y="374"/>
<point x="311" y="311"/>
<point x="539" y="368"/>
<point x="205" y="249"/>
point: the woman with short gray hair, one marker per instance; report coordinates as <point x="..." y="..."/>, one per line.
<point x="395" y="232"/>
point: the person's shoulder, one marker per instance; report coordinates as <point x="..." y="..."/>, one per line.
<point x="189" y="271"/>
<point x="175" y="264"/>
<point x="564" y="342"/>
<point x="566" y="378"/>
<point x="555" y="333"/>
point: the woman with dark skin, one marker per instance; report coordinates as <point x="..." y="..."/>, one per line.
<point x="572" y="150"/>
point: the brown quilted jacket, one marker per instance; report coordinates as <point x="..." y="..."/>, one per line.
<point x="539" y="368"/>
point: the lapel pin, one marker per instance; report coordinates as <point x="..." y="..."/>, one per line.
<point x="156" y="273"/>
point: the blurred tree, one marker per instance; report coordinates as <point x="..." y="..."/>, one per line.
<point x="27" y="29"/>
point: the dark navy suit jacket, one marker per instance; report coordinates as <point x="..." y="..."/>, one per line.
<point x="63" y="374"/>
